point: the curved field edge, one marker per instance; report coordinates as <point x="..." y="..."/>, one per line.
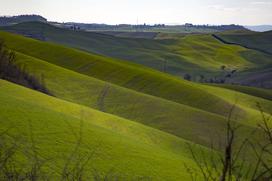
<point x="244" y="101"/>
<point x="260" y="41"/>
<point x="174" y="118"/>
<point x="180" y="120"/>
<point x="258" y="92"/>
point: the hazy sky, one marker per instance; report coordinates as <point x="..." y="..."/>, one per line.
<point x="245" y="12"/>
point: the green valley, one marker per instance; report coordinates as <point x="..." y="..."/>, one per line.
<point x="108" y="105"/>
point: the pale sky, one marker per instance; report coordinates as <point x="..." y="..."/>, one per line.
<point x="244" y="12"/>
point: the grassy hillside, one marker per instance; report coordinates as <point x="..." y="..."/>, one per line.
<point x="128" y="34"/>
<point x="196" y="103"/>
<point x="258" y="92"/>
<point x="193" y="54"/>
<point x="254" y="40"/>
<point x="130" y="149"/>
<point x="121" y="73"/>
<point x="152" y="117"/>
<point x="150" y="110"/>
<point x="258" y="77"/>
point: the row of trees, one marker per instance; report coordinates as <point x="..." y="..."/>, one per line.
<point x="10" y="71"/>
<point x="223" y="78"/>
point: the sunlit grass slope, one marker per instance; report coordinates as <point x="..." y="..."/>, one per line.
<point x="184" y="109"/>
<point x="194" y="54"/>
<point x="244" y="101"/>
<point x="213" y="54"/>
<point x="127" y="148"/>
<point x="260" y="75"/>
<point x="180" y="120"/>
<point x="150" y="110"/>
<point x="258" y="92"/>
<point x="255" y="40"/>
<point x="131" y="76"/>
<point x="124" y="74"/>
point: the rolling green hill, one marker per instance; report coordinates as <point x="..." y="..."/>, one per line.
<point x="150" y="110"/>
<point x="261" y="41"/>
<point x="123" y="74"/>
<point x="138" y="120"/>
<point x="259" y="77"/>
<point x="175" y="97"/>
<point x="258" y="92"/>
<point x="177" y="55"/>
<point x="130" y="149"/>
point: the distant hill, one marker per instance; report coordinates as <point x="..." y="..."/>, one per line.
<point x="261" y="41"/>
<point x="186" y="28"/>
<point x="260" y="28"/>
<point x="9" y="20"/>
<point x="81" y="77"/>
<point x="178" y="54"/>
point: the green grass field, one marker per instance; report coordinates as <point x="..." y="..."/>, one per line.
<point x="255" y="40"/>
<point x="150" y="110"/>
<point x="132" y="150"/>
<point x="121" y="74"/>
<point x="139" y="119"/>
<point x="258" y="76"/>
<point x="258" y="92"/>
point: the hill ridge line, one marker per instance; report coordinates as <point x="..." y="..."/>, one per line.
<point x="238" y="44"/>
<point x="125" y="88"/>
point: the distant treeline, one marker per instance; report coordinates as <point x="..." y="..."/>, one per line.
<point x="14" y="73"/>
<point x="147" y="26"/>
<point x="8" y="20"/>
<point x="96" y="26"/>
<point x="217" y="27"/>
